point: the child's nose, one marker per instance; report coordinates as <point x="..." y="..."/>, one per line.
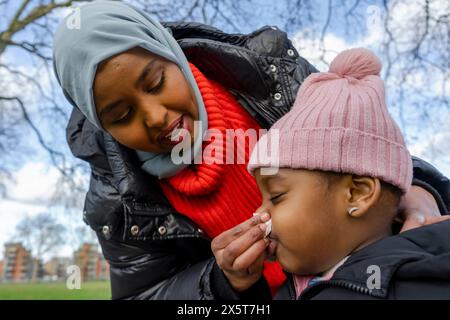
<point x="262" y="208"/>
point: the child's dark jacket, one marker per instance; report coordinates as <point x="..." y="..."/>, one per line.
<point x="413" y="265"/>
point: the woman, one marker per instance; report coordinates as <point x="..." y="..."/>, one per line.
<point x="131" y="81"/>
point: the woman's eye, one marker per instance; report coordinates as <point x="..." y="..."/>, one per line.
<point x="159" y="86"/>
<point x="124" y="118"/>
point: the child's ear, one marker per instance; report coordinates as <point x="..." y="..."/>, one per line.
<point x="362" y="194"/>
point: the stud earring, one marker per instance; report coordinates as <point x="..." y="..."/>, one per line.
<point x="352" y="210"/>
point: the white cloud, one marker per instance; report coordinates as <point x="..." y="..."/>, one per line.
<point x="407" y="22"/>
<point x="435" y="150"/>
<point x="435" y="146"/>
<point x="312" y="50"/>
<point x="34" y="183"/>
<point x="26" y="81"/>
<point x="321" y="53"/>
<point x="441" y="85"/>
<point x="11" y="212"/>
<point x="31" y="192"/>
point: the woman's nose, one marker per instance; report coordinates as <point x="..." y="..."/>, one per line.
<point x="155" y="116"/>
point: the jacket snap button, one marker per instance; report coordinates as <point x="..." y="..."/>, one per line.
<point x="291" y="52"/>
<point x="273" y="68"/>
<point x="106" y="231"/>
<point x="200" y="230"/>
<point x="162" y="230"/>
<point x="277" y="96"/>
<point x="134" y="230"/>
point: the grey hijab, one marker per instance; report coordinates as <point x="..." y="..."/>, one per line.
<point x="100" y="30"/>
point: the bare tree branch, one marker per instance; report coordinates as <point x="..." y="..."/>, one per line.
<point x="42" y="234"/>
<point x="17" y="24"/>
<point x="54" y="154"/>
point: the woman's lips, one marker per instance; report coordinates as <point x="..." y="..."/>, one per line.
<point x="165" y="137"/>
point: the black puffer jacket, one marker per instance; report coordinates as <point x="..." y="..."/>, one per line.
<point x="155" y="252"/>
<point x="412" y="265"/>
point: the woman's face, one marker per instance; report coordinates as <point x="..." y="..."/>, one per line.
<point x="140" y="98"/>
<point x="308" y="221"/>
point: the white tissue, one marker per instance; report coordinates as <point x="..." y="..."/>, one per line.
<point x="268" y="225"/>
<point x="268" y="228"/>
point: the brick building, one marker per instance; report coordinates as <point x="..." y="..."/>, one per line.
<point x="56" y="268"/>
<point x="17" y="263"/>
<point x="91" y="262"/>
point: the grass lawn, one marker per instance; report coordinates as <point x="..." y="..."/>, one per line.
<point x="99" y="290"/>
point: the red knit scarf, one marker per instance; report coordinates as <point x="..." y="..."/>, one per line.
<point x="219" y="196"/>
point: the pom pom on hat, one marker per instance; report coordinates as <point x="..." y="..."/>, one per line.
<point x="356" y="63"/>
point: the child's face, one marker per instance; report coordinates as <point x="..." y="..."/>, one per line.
<point x="149" y="94"/>
<point x="308" y="220"/>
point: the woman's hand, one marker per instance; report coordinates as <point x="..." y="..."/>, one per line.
<point x="240" y="252"/>
<point x="418" y="208"/>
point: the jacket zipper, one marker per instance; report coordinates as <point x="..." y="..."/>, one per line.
<point x="334" y="283"/>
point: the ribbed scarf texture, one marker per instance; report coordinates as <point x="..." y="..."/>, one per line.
<point x="219" y="196"/>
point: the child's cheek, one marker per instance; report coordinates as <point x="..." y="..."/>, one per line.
<point x="299" y="238"/>
<point x="285" y="236"/>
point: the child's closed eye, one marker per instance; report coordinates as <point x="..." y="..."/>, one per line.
<point x="276" y="198"/>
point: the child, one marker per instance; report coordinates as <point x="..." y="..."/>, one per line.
<point x="343" y="166"/>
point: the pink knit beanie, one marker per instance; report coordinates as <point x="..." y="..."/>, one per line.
<point x="340" y="123"/>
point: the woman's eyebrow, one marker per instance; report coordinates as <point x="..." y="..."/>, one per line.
<point x="145" y="72"/>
